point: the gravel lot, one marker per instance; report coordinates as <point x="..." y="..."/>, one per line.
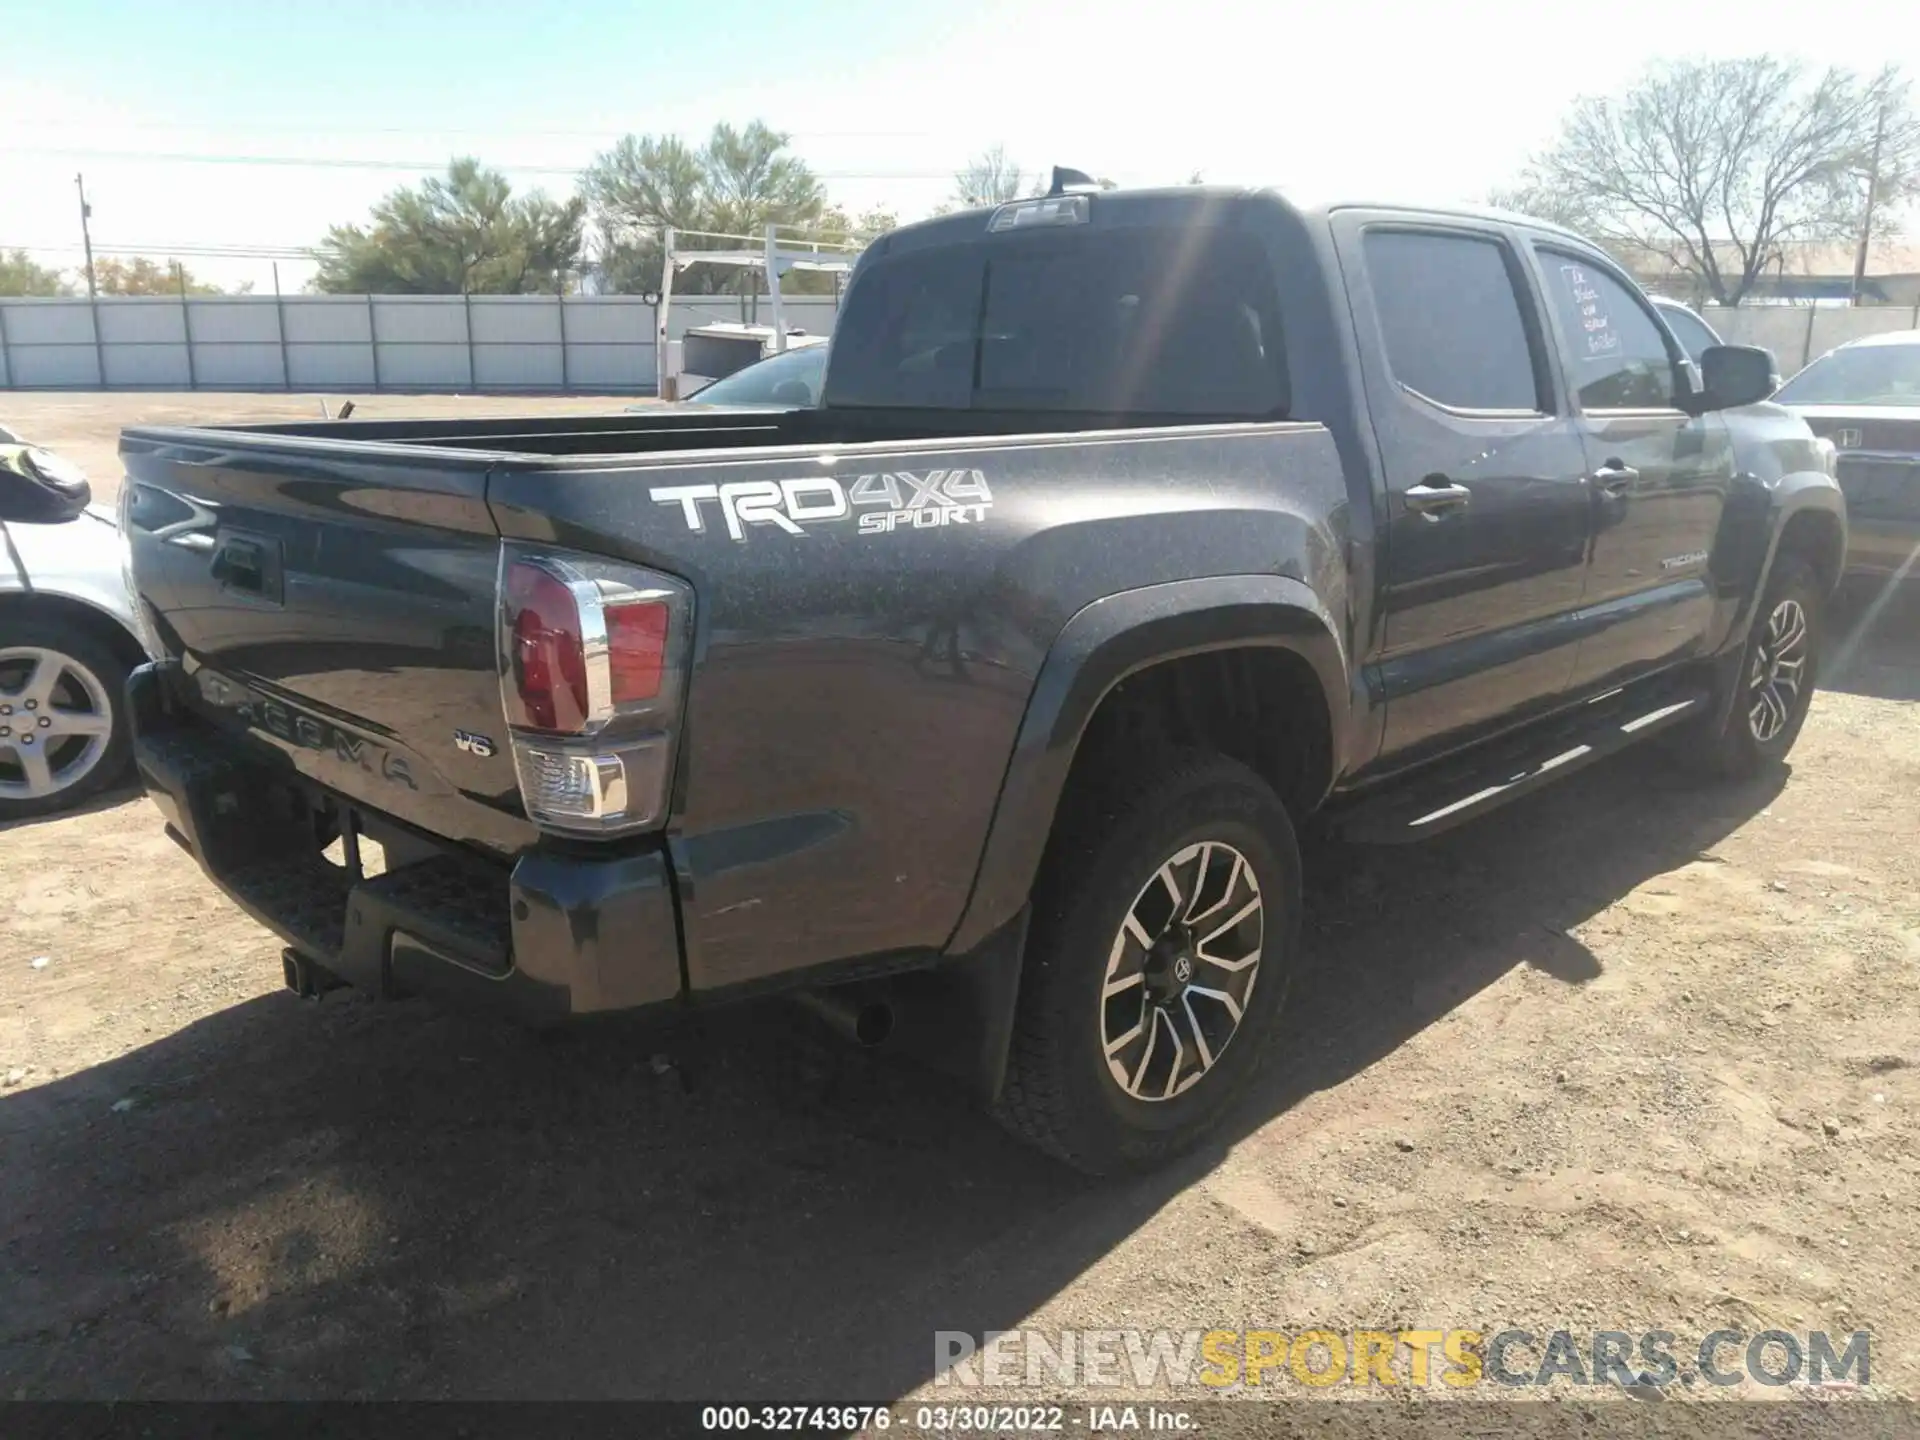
<point x="1631" y="1055"/>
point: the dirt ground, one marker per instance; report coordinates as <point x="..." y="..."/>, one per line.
<point x="1631" y="1055"/>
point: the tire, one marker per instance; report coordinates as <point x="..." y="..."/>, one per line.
<point x="1220" y="833"/>
<point x="1766" y="716"/>
<point x="87" y="689"/>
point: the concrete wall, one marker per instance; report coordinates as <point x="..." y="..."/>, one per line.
<point x="1799" y="333"/>
<point x="601" y="343"/>
<point x="590" y="343"/>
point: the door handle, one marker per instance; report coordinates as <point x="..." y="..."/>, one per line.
<point x="1615" y="478"/>
<point x="1436" y="497"/>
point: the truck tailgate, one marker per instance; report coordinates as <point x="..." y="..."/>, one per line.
<point x="339" y="608"/>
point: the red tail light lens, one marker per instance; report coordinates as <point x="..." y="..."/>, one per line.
<point x="594" y="656"/>
<point x="547" y="659"/>
<point x="637" y="648"/>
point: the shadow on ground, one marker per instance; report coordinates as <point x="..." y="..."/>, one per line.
<point x="1873" y="645"/>
<point x="108" y="799"/>
<point x="350" y="1200"/>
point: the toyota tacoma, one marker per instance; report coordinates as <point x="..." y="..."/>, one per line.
<point x="983" y="703"/>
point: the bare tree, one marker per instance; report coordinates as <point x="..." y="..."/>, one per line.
<point x="1715" y="166"/>
<point x="989" y="179"/>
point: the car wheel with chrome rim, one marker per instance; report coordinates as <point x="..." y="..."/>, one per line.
<point x="1181" y="971"/>
<point x="1162" y="941"/>
<point x="1779" y="668"/>
<point x="64" y="733"/>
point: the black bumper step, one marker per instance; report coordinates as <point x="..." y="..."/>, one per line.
<point x="555" y="935"/>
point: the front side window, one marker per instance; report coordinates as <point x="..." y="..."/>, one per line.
<point x="1617" y="359"/>
<point x="1451" y="319"/>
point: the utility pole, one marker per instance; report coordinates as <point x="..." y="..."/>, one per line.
<point x="1866" y="222"/>
<point x="86" y="232"/>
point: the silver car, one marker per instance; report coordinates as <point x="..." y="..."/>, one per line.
<point x="68" y="636"/>
<point x="789" y="381"/>
<point x="1695" y="335"/>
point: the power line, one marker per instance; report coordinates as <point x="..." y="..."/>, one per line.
<point x="327" y="162"/>
<point x="197" y="251"/>
<point x="516" y="132"/>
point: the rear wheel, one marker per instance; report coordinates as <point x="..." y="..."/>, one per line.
<point x="1778" y="671"/>
<point x="1164" y="935"/>
<point x="64" y="730"/>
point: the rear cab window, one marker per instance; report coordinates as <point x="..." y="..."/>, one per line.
<point x="1174" y="321"/>
<point x="1453" y="323"/>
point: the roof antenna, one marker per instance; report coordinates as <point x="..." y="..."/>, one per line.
<point x="1065" y="179"/>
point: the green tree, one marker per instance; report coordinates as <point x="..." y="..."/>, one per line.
<point x="738" y="183"/>
<point x="1712" y="167"/>
<point x="836" y="224"/>
<point x="144" y="276"/>
<point x="19" y="275"/>
<point x="464" y="234"/>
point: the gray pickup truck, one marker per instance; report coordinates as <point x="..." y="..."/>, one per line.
<point x="982" y="703"/>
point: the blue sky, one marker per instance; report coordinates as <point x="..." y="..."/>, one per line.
<point x="884" y="97"/>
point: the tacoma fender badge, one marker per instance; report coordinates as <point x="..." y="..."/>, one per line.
<point x="1682" y="562"/>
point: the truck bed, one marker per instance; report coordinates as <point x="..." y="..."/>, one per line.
<point x="869" y="622"/>
<point x="645" y="433"/>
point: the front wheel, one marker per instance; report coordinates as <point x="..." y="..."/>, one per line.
<point x="1164" y="935"/>
<point x="1778" y="671"/>
<point x="64" y="730"/>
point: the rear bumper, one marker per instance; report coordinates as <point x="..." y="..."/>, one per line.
<point x="553" y="937"/>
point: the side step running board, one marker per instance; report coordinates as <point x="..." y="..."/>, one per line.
<point x="1406" y="813"/>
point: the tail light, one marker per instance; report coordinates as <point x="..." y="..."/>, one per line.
<point x="593" y="658"/>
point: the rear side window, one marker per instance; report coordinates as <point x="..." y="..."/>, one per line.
<point x="1451" y="320"/>
<point x="1616" y="356"/>
<point x="1130" y="321"/>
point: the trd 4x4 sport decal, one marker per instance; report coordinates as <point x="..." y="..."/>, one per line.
<point x="899" y="500"/>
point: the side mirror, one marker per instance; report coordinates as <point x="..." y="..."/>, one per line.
<point x="1735" y="375"/>
<point x="38" y="488"/>
<point x="793" y="392"/>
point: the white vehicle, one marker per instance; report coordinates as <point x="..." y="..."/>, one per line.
<point x="724" y="347"/>
<point x="69" y="635"/>
<point x="780" y="382"/>
<point x="1694" y="334"/>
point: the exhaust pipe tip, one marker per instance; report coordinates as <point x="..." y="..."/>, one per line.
<point x="306" y="979"/>
<point x="860" y="1017"/>
<point x="873" y="1023"/>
